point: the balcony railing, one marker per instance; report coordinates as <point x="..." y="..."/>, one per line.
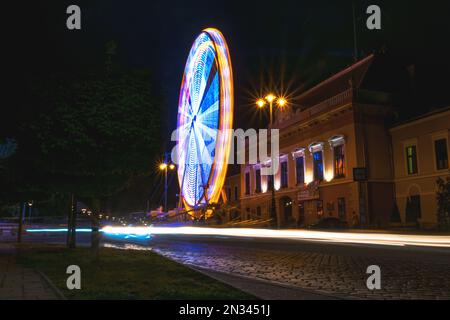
<point x="337" y="100"/>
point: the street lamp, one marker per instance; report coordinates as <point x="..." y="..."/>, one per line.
<point x="166" y="167"/>
<point x="261" y="103"/>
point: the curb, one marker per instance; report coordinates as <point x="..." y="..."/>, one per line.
<point x="58" y="293"/>
<point x="204" y="271"/>
<point x="269" y="282"/>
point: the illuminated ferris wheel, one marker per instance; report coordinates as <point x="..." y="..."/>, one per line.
<point x="205" y="120"/>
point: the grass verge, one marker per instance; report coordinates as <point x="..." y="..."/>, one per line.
<point x="124" y="274"/>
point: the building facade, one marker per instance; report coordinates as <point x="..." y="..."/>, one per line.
<point x="420" y="157"/>
<point x="321" y="143"/>
<point x="232" y="197"/>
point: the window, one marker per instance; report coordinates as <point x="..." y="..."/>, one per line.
<point x="284" y="175"/>
<point x="258" y="212"/>
<point x="319" y="208"/>
<point x="318" y="165"/>
<point x="441" y="153"/>
<point x="270" y="182"/>
<point x="339" y="162"/>
<point x="300" y="168"/>
<point x="341" y="208"/>
<point x="229" y="194"/>
<point x="247" y="183"/>
<point x="236" y="193"/>
<point x="258" y="180"/>
<point x="411" y="160"/>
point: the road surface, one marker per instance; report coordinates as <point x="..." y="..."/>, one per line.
<point x="324" y="268"/>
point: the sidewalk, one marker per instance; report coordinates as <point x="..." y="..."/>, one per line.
<point x="19" y="283"/>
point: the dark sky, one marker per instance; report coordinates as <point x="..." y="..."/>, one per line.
<point x="281" y="46"/>
<point x="275" y="45"/>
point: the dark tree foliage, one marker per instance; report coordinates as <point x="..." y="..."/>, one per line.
<point x="89" y="134"/>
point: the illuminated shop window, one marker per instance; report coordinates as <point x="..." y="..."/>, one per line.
<point x="258" y="180"/>
<point x="441" y="153"/>
<point x="284" y="175"/>
<point x="411" y="160"/>
<point x="339" y="161"/>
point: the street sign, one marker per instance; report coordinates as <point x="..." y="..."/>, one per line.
<point x="360" y="174"/>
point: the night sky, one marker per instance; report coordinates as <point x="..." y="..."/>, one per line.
<point x="281" y="46"/>
<point x="275" y="45"/>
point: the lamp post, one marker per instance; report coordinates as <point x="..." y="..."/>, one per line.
<point x="261" y="103"/>
<point x="165" y="166"/>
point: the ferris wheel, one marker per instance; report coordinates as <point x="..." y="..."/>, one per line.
<point x="205" y="120"/>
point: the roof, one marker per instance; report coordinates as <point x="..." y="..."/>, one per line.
<point x="340" y="82"/>
<point x="425" y="116"/>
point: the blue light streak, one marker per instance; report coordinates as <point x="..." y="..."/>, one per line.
<point x="57" y="230"/>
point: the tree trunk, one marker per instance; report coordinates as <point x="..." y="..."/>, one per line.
<point x="20" y="228"/>
<point x="95" y="237"/>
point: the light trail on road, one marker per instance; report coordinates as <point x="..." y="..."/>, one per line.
<point x="303" y="235"/>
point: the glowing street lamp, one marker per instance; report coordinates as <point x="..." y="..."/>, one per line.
<point x="261" y="103"/>
<point x="282" y="102"/>
<point x="165" y="167"/>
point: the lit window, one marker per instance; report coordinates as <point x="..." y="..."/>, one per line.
<point x="411" y="159"/>
<point x="258" y="180"/>
<point x="339" y="162"/>
<point x="318" y="165"/>
<point x="300" y="169"/>
<point x="441" y="153"/>
<point x="284" y="175"/>
<point x="270" y="182"/>
<point x="247" y="183"/>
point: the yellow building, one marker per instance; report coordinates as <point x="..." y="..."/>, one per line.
<point x="339" y="126"/>
<point x="232" y="189"/>
<point x="420" y="156"/>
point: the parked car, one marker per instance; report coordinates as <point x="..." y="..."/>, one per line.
<point x="329" y="223"/>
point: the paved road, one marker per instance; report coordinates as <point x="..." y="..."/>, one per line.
<point x="319" y="268"/>
<point x="329" y="269"/>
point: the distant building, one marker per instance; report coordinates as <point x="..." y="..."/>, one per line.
<point x="420" y="157"/>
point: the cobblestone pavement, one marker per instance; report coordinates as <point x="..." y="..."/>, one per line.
<point x="339" y="274"/>
<point x="18" y="283"/>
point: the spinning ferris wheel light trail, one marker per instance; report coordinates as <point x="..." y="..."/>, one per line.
<point x="205" y="120"/>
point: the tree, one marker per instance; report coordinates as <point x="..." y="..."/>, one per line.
<point x="86" y="134"/>
<point x="443" y="201"/>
